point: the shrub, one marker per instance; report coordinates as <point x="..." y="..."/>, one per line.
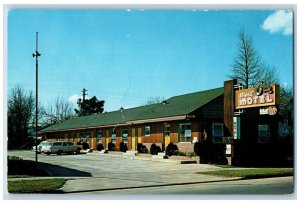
<point x="181" y="154"/>
<point x="154" y="149"/>
<point x="111" y="146"/>
<point x="100" y="147"/>
<point x="141" y="148"/>
<point x="123" y="147"/>
<point x="191" y="154"/>
<point x="85" y="146"/>
<point x="197" y="148"/>
<point x="172" y="149"/>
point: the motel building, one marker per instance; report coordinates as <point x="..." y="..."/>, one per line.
<point x="228" y="125"/>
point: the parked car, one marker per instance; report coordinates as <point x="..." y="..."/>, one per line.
<point x="61" y="147"/>
<point x="39" y="147"/>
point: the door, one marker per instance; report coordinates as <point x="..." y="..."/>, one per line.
<point x="139" y="135"/>
<point x="166" y="136"/>
<point x="134" y="139"/>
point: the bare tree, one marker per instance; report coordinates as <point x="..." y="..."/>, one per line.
<point x="248" y="67"/>
<point x="154" y="100"/>
<point x="59" y="111"/>
<point x="20" y="114"/>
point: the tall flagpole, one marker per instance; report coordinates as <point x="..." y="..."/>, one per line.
<point x="36" y="55"/>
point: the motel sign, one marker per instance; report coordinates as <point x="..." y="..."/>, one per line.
<point x="250" y="98"/>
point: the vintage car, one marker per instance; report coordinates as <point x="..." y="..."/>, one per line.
<point x="60" y="148"/>
<point x="39" y="147"/>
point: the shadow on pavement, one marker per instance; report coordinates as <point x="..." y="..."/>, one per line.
<point x="57" y="171"/>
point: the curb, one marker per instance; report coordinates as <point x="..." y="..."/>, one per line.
<point x="149" y="186"/>
<point x="146" y="158"/>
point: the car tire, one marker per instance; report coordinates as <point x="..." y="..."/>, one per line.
<point x="59" y="152"/>
<point x="77" y="151"/>
<point x="48" y="153"/>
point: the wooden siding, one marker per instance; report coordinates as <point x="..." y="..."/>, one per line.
<point x="155" y="133"/>
<point x="214" y="109"/>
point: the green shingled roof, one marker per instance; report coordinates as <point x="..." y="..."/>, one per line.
<point x="176" y="106"/>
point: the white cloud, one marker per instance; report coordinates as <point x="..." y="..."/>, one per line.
<point x="74" y="98"/>
<point x="279" y="21"/>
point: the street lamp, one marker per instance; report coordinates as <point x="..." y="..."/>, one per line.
<point x="36" y="55"/>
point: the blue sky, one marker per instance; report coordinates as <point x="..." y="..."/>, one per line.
<point x="127" y="56"/>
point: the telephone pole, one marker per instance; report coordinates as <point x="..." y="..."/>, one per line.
<point x="84" y="94"/>
<point x="83" y="100"/>
<point x="36" y="55"/>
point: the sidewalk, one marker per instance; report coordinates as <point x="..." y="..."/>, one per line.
<point x="85" y="185"/>
<point x="138" y="180"/>
<point x="92" y="172"/>
<point x="148" y="157"/>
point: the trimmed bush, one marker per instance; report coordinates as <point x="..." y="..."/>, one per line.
<point x="172" y="149"/>
<point x="123" y="147"/>
<point x="142" y="148"/>
<point x="100" y="147"/>
<point x="85" y="146"/>
<point x="154" y="149"/>
<point x="111" y="146"/>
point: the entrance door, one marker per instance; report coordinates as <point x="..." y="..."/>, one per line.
<point x="166" y="136"/>
<point x="134" y="139"/>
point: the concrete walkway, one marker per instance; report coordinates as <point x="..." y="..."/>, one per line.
<point x="83" y="185"/>
<point x="93" y="172"/>
<point x="135" y="180"/>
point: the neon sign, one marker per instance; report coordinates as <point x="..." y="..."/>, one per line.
<point x="257" y="97"/>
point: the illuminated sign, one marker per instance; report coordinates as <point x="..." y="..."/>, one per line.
<point x="272" y="110"/>
<point x="257" y="97"/>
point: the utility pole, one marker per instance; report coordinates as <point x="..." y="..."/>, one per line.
<point x="84" y="94"/>
<point x="83" y="99"/>
<point x="36" y="55"/>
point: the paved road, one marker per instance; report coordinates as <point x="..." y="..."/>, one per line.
<point x="260" y="187"/>
<point x="107" y="174"/>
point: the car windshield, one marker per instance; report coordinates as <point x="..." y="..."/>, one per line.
<point x="43" y="143"/>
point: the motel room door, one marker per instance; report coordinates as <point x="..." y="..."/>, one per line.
<point x="166" y="136"/>
<point x="136" y="138"/>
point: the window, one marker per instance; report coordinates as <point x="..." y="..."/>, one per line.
<point x="147" y="130"/>
<point x="71" y="136"/>
<point x="81" y="136"/>
<point x="87" y="136"/>
<point x="113" y="136"/>
<point x="185" y="132"/>
<point x="217" y="132"/>
<point x="167" y="128"/>
<point x="125" y="135"/>
<point x="263" y="134"/>
<point x="99" y="136"/>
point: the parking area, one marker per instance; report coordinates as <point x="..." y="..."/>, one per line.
<point x="91" y="172"/>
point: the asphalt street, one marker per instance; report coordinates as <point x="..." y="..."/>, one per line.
<point x="112" y="174"/>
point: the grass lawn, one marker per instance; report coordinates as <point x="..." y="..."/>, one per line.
<point x="26" y="169"/>
<point x="252" y="173"/>
<point x="36" y="186"/>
